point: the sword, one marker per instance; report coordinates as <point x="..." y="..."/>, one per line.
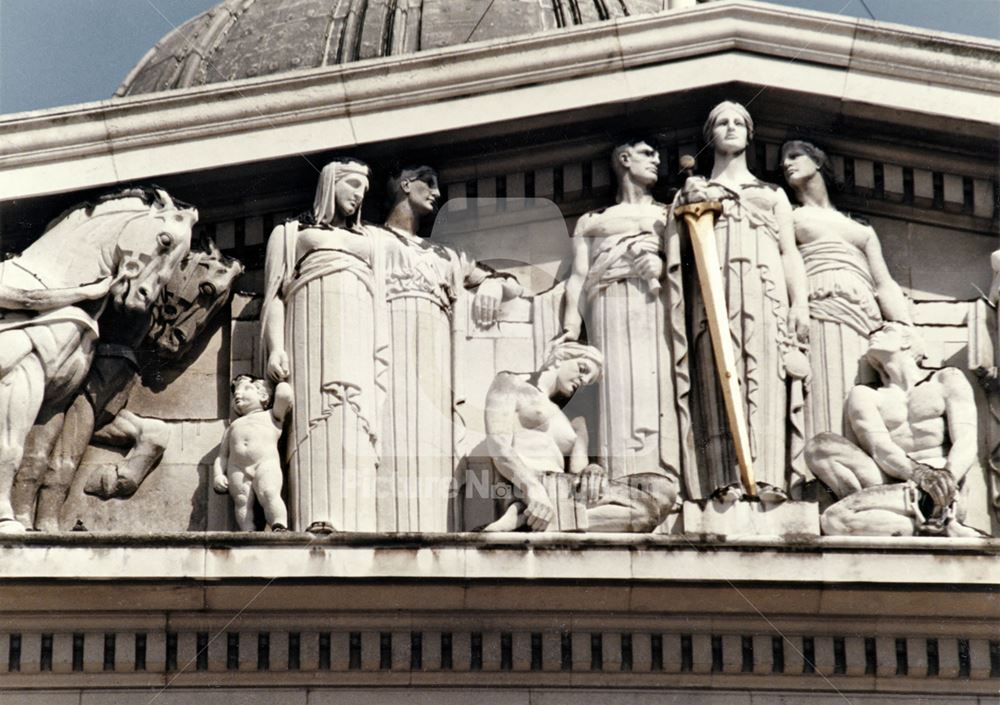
<point x="700" y="220"/>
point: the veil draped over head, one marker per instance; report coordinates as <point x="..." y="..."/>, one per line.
<point x="325" y="204"/>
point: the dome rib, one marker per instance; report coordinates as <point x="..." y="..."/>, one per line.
<point x="246" y="38"/>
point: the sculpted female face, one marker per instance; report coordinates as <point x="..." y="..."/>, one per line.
<point x="349" y="192"/>
<point x="575" y="373"/>
<point x="798" y="166"/>
<point x="730" y="134"/>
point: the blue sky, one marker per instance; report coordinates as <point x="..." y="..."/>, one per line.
<point x="59" y="52"/>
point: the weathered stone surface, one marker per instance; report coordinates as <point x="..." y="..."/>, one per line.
<point x="175" y="496"/>
<point x="743" y="518"/>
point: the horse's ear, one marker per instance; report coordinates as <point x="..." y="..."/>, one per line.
<point x="163" y="197"/>
<point x="210" y="247"/>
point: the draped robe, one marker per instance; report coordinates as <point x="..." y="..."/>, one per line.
<point x="643" y="423"/>
<point x="335" y="337"/>
<point x="756" y="296"/>
<point x="843" y="312"/>
<point x="422" y="281"/>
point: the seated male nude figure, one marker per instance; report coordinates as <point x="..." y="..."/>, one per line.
<point x="916" y="441"/>
<point x="528" y="435"/>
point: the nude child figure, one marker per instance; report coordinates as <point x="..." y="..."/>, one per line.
<point x="248" y="465"/>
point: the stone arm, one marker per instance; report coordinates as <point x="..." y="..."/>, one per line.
<point x="220" y="483"/>
<point x="501" y="421"/>
<point x="873" y="435"/>
<point x="794" y="268"/>
<point x="578" y="458"/>
<point x="572" y="317"/>
<point x="492" y="288"/>
<point x="890" y="296"/>
<point x="48" y="299"/>
<point x="273" y="322"/>
<point x="283" y="400"/>
<point x="960" y="413"/>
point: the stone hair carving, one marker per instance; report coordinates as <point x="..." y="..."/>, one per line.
<point x="249" y="465"/>
<point x="120" y="252"/>
<point x="544" y="455"/>
<point x="766" y="301"/>
<point x="325" y="331"/>
<point x="851" y="292"/>
<point x="197" y="290"/>
<point x="625" y="283"/>
<point x="913" y="451"/>
<point x="422" y="282"/>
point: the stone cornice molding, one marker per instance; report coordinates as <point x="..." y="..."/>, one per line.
<point x="970" y="563"/>
<point x="855" y="62"/>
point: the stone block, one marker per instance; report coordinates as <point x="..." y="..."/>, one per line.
<point x="893" y="179"/>
<point x="954" y="191"/>
<point x="923" y="184"/>
<point x="763" y="653"/>
<point x="253" y="233"/>
<point x="983" y="198"/>
<point x="672" y="657"/>
<point x="194" y="388"/>
<point x="732" y="653"/>
<point x="751" y="518"/>
<point x="864" y="173"/>
<point x="601" y="173"/>
<point x="570" y="513"/>
<point x="173" y="497"/>
<point x="515" y="186"/>
<point x="544" y="183"/>
<point x="486" y="188"/>
<point x="54" y="697"/>
<point x="572" y="178"/>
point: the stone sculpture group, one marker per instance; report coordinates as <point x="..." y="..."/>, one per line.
<point x="788" y="356"/>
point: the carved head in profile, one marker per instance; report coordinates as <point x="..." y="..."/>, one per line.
<point x="802" y="161"/>
<point x="418" y="186"/>
<point x="340" y="193"/>
<point x="729" y="128"/>
<point x="638" y="160"/>
<point x="195" y="293"/>
<point x="576" y="365"/>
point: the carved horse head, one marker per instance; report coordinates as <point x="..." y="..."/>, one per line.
<point x="196" y="291"/>
<point x="134" y="239"/>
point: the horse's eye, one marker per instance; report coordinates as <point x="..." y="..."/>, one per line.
<point x="164" y="239"/>
<point x="207" y="289"/>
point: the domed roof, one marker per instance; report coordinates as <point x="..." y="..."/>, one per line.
<point x="245" y="38"/>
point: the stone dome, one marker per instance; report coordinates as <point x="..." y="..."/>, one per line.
<point x="246" y="38"/>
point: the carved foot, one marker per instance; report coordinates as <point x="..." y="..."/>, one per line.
<point x="321" y="527"/>
<point x="769" y="494"/>
<point x="11" y="526"/>
<point x="729" y="494"/>
<point x="279" y="528"/>
<point x="106" y="483"/>
<point x="48" y="526"/>
<point x="512" y="519"/>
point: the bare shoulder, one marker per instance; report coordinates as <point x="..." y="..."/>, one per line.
<point x="952" y="379"/>
<point x="862" y="398"/>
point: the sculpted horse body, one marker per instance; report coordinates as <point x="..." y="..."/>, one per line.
<point x="129" y="343"/>
<point x="120" y="252"/>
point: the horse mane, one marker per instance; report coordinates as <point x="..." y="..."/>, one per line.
<point x="149" y="195"/>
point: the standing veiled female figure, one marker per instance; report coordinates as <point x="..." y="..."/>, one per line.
<point x="324" y="329"/>
<point x="766" y="301"/>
